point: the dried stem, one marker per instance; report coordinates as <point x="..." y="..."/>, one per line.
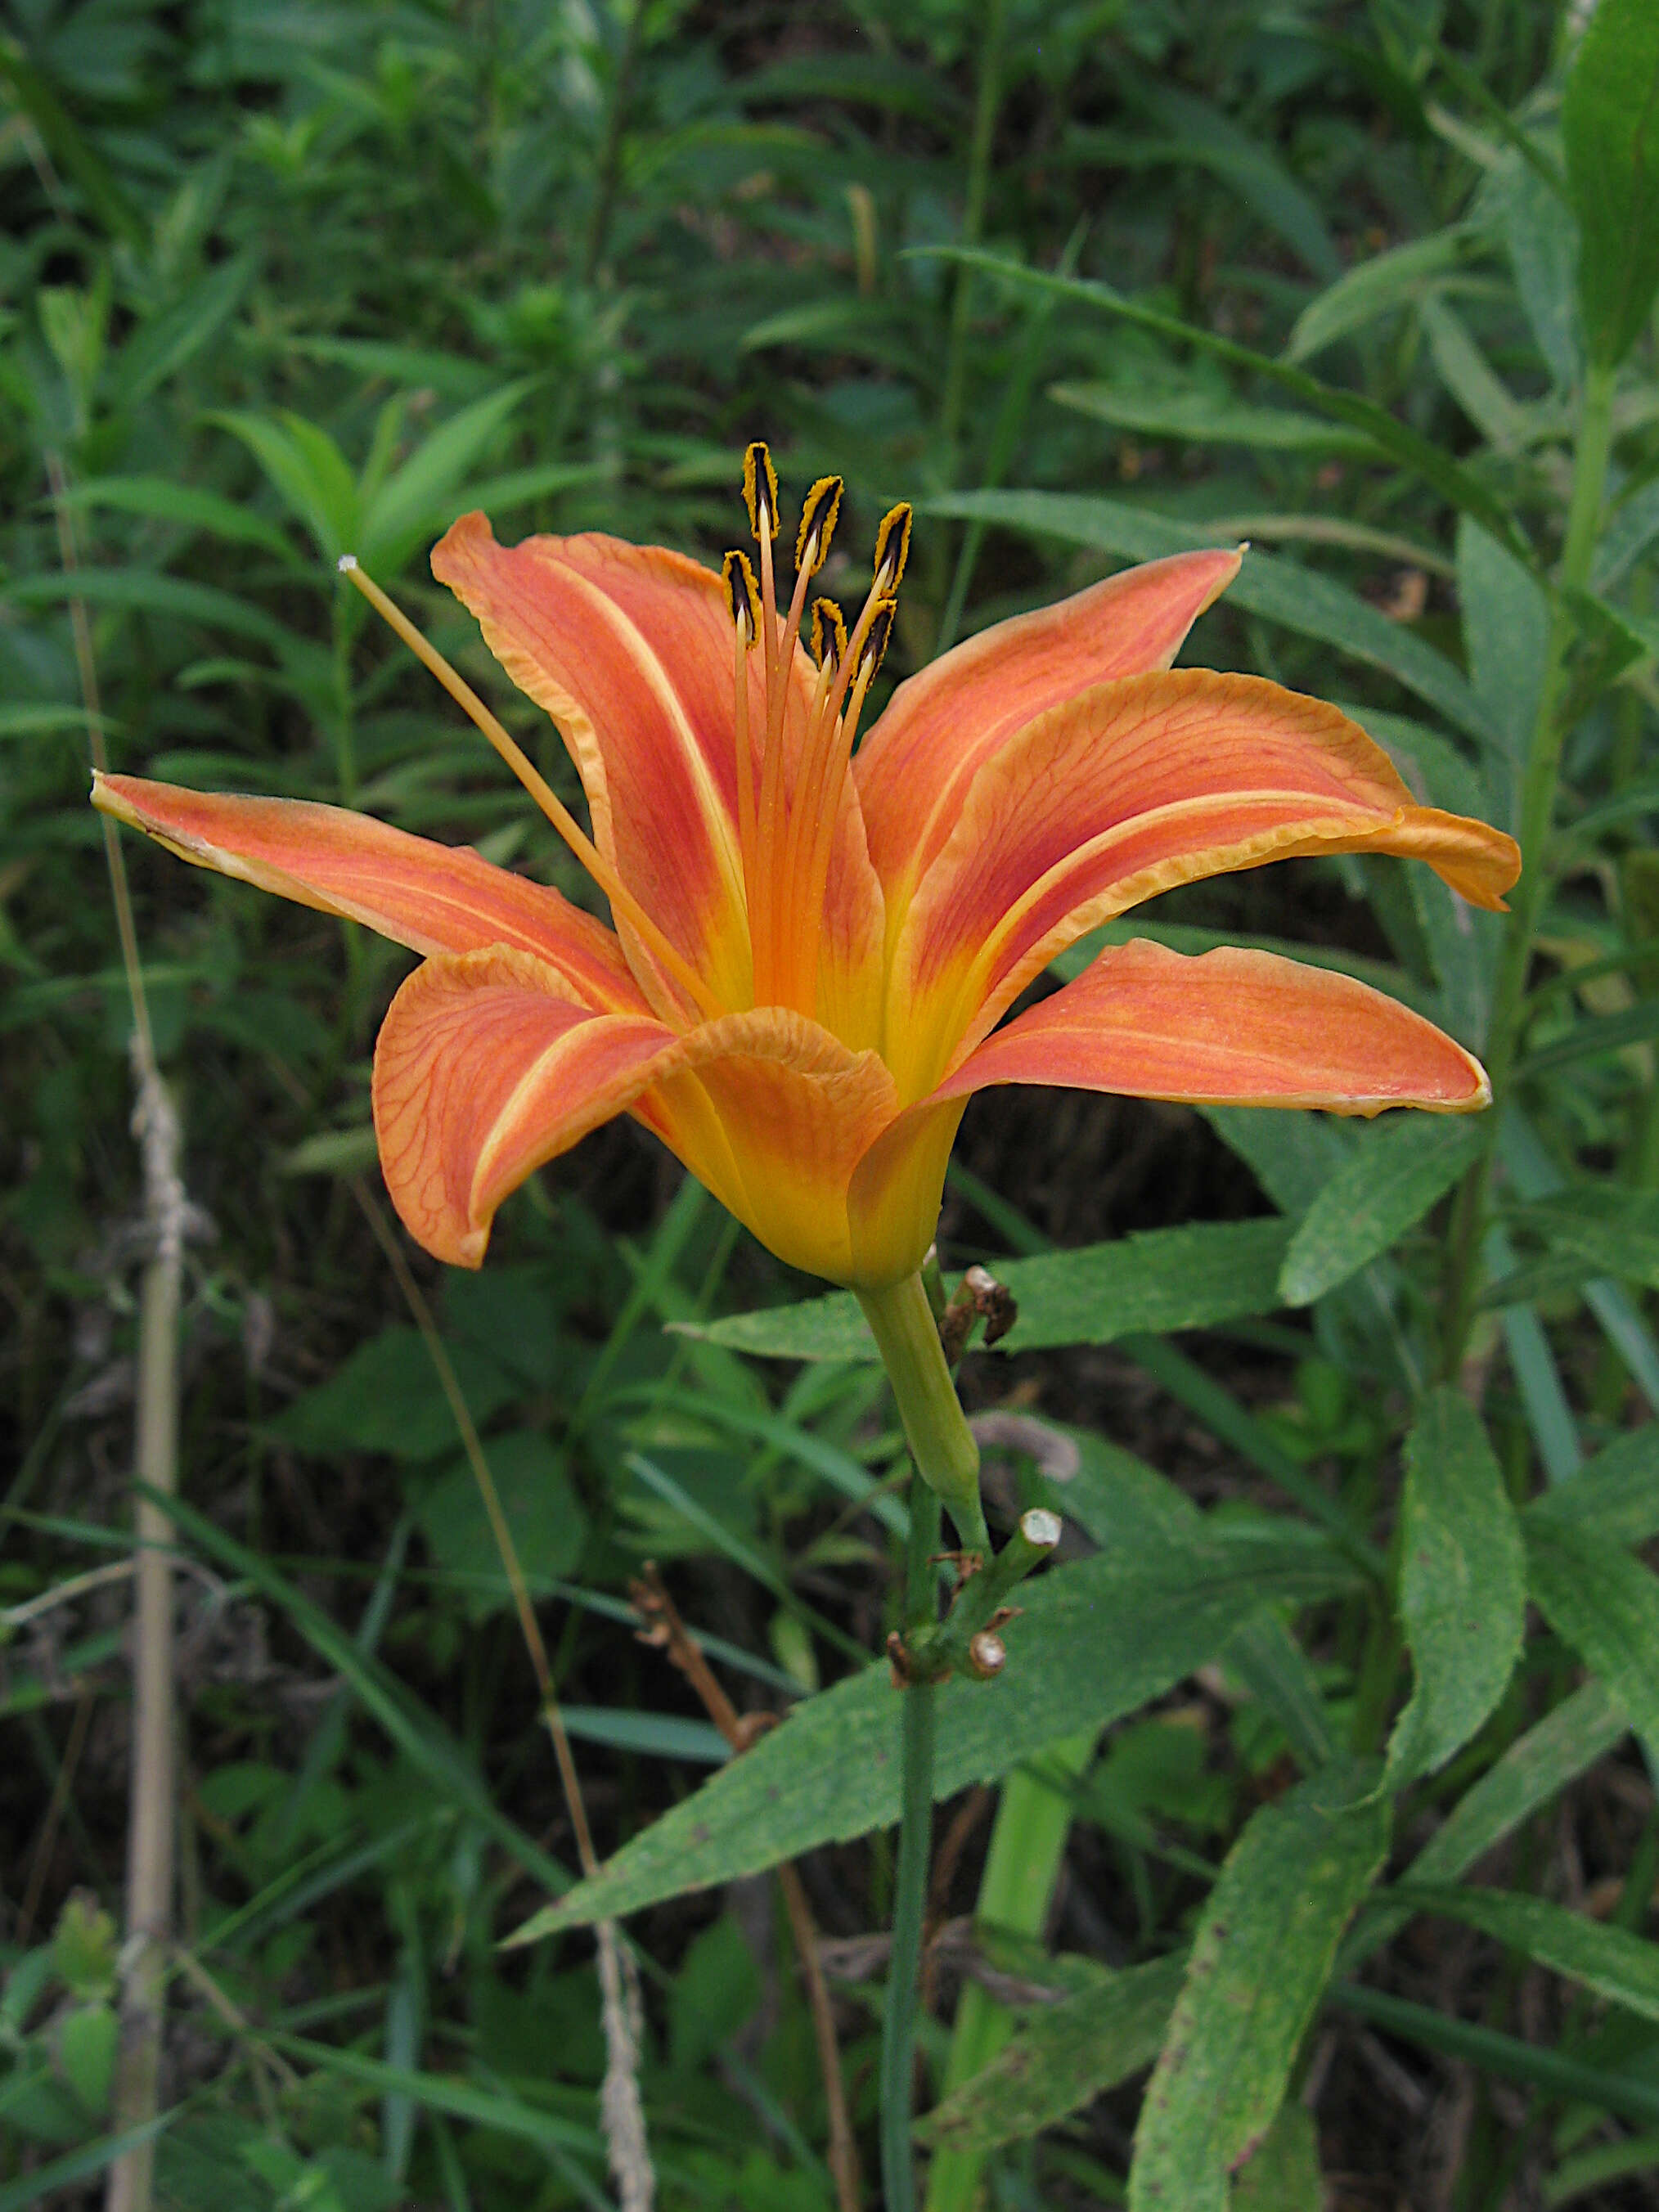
<point x="665" y="1629"/>
<point x="150" y="1818"/>
<point x="621" y="2112"/>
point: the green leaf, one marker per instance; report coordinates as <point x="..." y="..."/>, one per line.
<point x="1283" y="2174"/>
<point x="1593" y="1038"/>
<point x="1610" y="129"/>
<point x="548" y="1525"/>
<point x="1505" y="424"/>
<point x="1462" y="1584"/>
<point x="420" y="493"/>
<point x="1396" y="1173"/>
<point x="1375" y="288"/>
<point x="1206" y="418"/>
<point x="40" y="2186"/>
<point x="1537" y="1767"/>
<point x="386" y="1397"/>
<point x="1278" y="590"/>
<point x="1604" y="1603"/>
<point x="1064" y="2054"/>
<point x="1612" y="1232"/>
<point x="188" y="506"/>
<point x="86" y="2050"/>
<point x="1613" y="1962"/>
<point x="1506" y="627"/>
<point x="1456" y="484"/>
<point x="309" y="471"/>
<point x="1164" y="1279"/>
<point x="1616" y="1496"/>
<point x="1541" y="239"/>
<point x="1095" y="1640"/>
<point x="141" y="591"/>
<point x="1265" y="1946"/>
<point x="162" y="346"/>
<point x="1207" y="135"/>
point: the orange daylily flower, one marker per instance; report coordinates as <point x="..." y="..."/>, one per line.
<point x="814" y="946"/>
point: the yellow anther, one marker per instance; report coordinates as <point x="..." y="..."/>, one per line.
<point x="759" y="491"/>
<point x="744" y="595"/>
<point x="828" y="635"/>
<point x="818" y="525"/>
<point x="892" y="551"/>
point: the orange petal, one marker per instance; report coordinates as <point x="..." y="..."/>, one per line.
<point x="774" y="1114"/>
<point x="484" y="1070"/>
<point x="431" y="898"/>
<point x="1126" y="792"/>
<point x="1232" y="1027"/>
<point x="631" y="649"/>
<point x="914" y="767"/>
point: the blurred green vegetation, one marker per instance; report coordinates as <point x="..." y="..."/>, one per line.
<point x="281" y="279"/>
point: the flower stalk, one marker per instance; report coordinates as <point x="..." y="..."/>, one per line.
<point x="941" y="1442"/>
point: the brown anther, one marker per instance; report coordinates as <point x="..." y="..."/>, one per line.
<point x="828" y="635"/>
<point x="987" y="1654"/>
<point x="875" y="641"/>
<point x="760" y="490"/>
<point x="818" y="514"/>
<point x="892" y="551"/>
<point x="744" y="595"/>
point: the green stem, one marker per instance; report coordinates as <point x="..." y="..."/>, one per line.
<point x="941" y="1442"/>
<point x="1028" y="1843"/>
<point x="1538" y="796"/>
<point x="898" y="2031"/>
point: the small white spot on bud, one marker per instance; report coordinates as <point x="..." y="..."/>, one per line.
<point x="1041" y="1527"/>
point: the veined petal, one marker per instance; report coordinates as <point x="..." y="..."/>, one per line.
<point x="774" y="1114"/>
<point x="1127" y="792"/>
<point x="631" y="649"/>
<point x="485" y="1069"/>
<point x="431" y="898"/>
<point x="914" y="767"/>
<point x="1229" y="1027"/>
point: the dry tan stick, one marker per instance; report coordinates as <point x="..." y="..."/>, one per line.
<point x="621" y="2112"/>
<point x="150" y="1809"/>
<point x="667" y="1633"/>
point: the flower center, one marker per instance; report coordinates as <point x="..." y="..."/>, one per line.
<point x="786" y="822"/>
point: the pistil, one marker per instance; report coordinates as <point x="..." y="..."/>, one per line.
<point x="623" y="905"/>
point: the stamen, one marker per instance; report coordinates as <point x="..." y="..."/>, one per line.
<point x="745" y="620"/>
<point x="828" y="635"/>
<point x="892" y="551"/>
<point x="875" y="641"/>
<point x="877" y="623"/>
<point x="760" y="490"/>
<point x="623" y="904"/>
<point x="819" y="515"/>
<point x="745" y="597"/>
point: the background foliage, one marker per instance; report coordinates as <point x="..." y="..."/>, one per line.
<point x="1332" y="1738"/>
